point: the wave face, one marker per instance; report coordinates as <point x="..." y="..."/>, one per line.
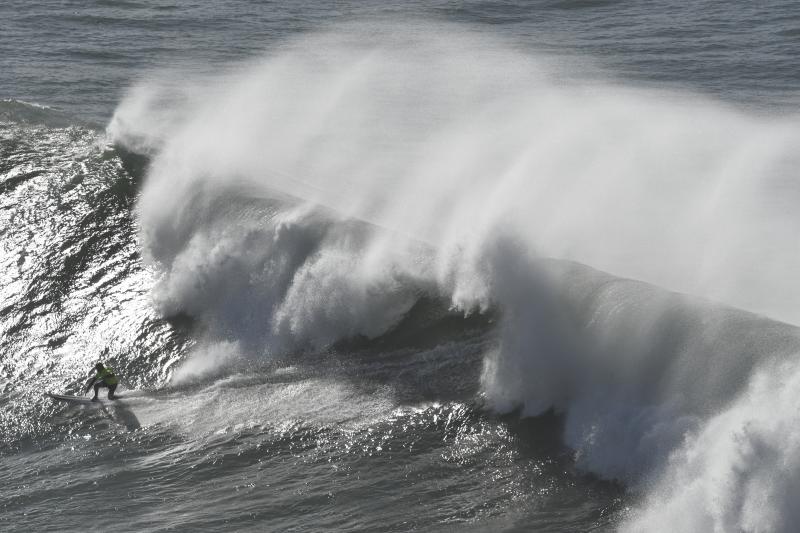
<point x="314" y="196"/>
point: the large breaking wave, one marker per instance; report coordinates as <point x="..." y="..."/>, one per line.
<point x="316" y="194"/>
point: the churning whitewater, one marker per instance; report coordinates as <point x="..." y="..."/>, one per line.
<point x="401" y="274"/>
<point x="314" y="195"/>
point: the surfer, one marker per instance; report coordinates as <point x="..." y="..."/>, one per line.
<point x="105" y="377"/>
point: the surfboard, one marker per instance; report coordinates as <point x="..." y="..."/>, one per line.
<point x="75" y="399"/>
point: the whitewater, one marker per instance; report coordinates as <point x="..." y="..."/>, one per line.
<point x="403" y="273"/>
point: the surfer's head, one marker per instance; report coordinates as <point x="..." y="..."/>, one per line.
<point x="99" y="366"/>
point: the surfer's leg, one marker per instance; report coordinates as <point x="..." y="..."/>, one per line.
<point x="111" y="389"/>
<point x="97" y="389"/>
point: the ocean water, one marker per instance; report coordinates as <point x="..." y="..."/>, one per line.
<point x="413" y="266"/>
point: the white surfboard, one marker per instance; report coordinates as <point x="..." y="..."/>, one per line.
<point x="74" y="399"/>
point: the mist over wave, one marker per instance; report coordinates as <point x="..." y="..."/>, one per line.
<point x="316" y="194"/>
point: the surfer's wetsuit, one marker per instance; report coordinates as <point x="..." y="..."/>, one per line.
<point x="105" y="377"/>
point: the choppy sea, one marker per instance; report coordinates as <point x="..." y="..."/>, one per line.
<point x="400" y="266"/>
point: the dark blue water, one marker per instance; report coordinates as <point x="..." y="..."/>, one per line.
<point x="309" y="237"/>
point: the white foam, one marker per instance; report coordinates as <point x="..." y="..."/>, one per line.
<point x="246" y="402"/>
<point x="206" y="360"/>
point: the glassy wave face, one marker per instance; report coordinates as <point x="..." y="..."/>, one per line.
<point x="406" y="275"/>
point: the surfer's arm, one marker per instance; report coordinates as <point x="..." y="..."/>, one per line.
<point x="89" y="384"/>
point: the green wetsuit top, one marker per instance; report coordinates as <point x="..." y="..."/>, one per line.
<point x="107" y="376"/>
